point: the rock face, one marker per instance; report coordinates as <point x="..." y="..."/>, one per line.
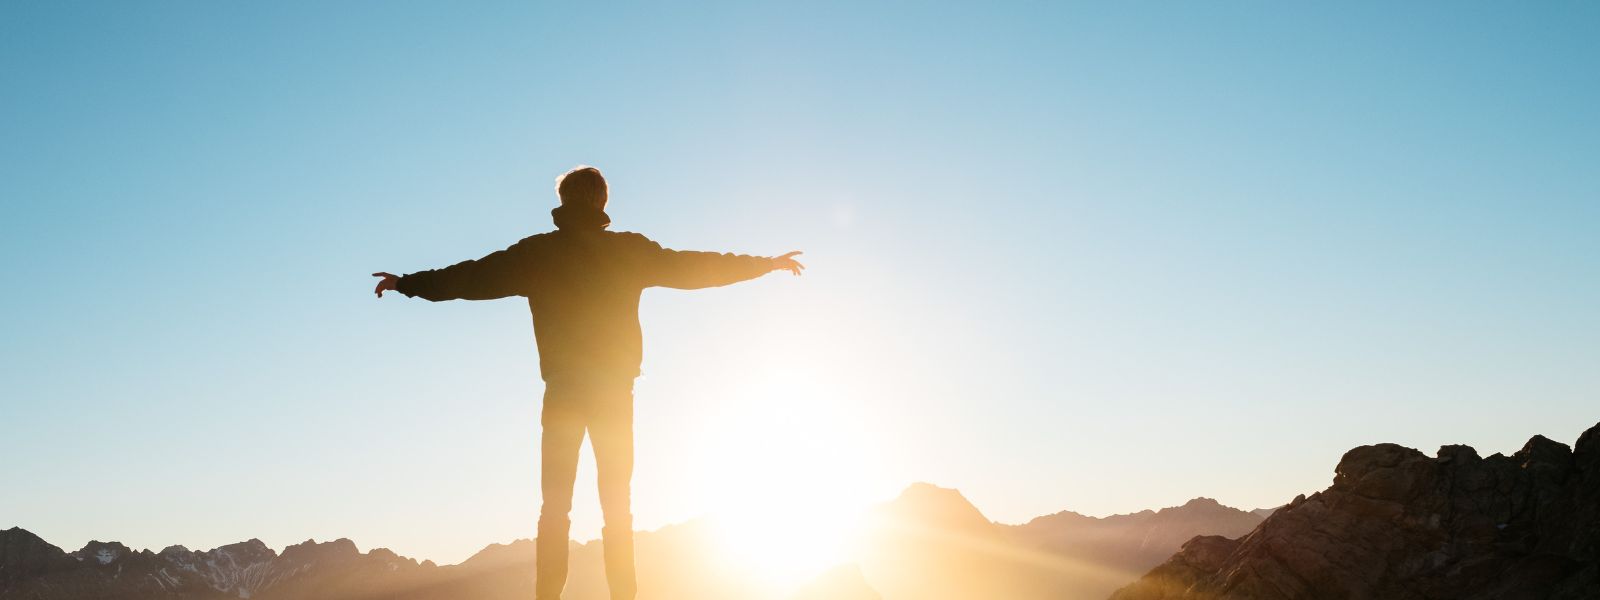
<point x="1398" y="524"/>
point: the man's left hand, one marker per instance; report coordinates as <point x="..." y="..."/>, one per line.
<point x="788" y="263"/>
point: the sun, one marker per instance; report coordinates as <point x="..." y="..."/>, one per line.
<point x="796" y="487"/>
<point x="790" y="545"/>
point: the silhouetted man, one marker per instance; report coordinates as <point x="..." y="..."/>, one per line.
<point x="583" y="285"/>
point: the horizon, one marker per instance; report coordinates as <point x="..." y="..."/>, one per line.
<point x="1099" y="259"/>
<point x="713" y="520"/>
<point x="703" y="519"/>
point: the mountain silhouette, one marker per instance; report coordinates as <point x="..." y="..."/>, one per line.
<point x="930" y="543"/>
<point x="1395" y="523"/>
<point x="1398" y="524"/>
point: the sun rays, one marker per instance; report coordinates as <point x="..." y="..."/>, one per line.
<point x="795" y="476"/>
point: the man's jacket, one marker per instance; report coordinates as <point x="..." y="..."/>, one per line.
<point x="583" y="287"/>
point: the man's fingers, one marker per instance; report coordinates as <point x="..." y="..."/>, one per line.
<point x="387" y="277"/>
<point x="788" y="263"/>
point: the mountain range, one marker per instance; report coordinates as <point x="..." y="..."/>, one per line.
<point x="1395" y="523"/>
<point x="929" y="543"/>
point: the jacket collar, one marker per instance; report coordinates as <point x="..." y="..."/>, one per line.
<point x="577" y="218"/>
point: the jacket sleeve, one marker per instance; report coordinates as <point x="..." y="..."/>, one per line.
<point x="689" y="270"/>
<point x="502" y="273"/>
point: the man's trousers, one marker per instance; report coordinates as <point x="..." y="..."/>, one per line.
<point x="603" y="408"/>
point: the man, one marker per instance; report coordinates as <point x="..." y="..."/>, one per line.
<point x="583" y="284"/>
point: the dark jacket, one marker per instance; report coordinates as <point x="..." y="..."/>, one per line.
<point x="583" y="287"/>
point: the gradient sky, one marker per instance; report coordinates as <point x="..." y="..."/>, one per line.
<point x="1094" y="257"/>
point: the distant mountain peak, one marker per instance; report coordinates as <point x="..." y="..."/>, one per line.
<point x="100" y="552"/>
<point x="925" y="489"/>
<point x="927" y="493"/>
<point x="930" y="504"/>
<point x="1198" y="506"/>
<point x="18" y="535"/>
<point x="1065" y="516"/>
<point x="250" y="546"/>
<point x="341" y="549"/>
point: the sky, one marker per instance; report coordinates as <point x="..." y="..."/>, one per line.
<point x="1086" y="257"/>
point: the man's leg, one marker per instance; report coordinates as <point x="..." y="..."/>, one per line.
<point x="561" y="439"/>
<point x="611" y="434"/>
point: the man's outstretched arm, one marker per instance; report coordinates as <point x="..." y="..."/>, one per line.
<point x="498" y="275"/>
<point x="689" y="270"/>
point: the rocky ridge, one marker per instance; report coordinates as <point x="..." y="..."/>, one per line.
<point x="1399" y="524"/>
<point x="33" y="568"/>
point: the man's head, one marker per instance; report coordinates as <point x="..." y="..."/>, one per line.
<point x="582" y="186"/>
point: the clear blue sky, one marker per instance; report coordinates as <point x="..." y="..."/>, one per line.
<point x="1100" y="258"/>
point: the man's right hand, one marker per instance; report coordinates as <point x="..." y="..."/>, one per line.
<point x="788" y="263"/>
<point x="387" y="284"/>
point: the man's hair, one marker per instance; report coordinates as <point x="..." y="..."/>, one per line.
<point x="582" y="186"/>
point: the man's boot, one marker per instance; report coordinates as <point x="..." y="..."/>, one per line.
<point x="550" y="560"/>
<point x="618" y="543"/>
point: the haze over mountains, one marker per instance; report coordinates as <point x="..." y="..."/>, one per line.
<point x="1395" y="523"/>
<point x="930" y="543"/>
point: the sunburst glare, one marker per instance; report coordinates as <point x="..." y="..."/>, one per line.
<point x="799" y="483"/>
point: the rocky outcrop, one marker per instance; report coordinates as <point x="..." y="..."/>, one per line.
<point x="1398" y="524"/>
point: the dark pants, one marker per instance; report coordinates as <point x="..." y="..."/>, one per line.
<point x="605" y="409"/>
